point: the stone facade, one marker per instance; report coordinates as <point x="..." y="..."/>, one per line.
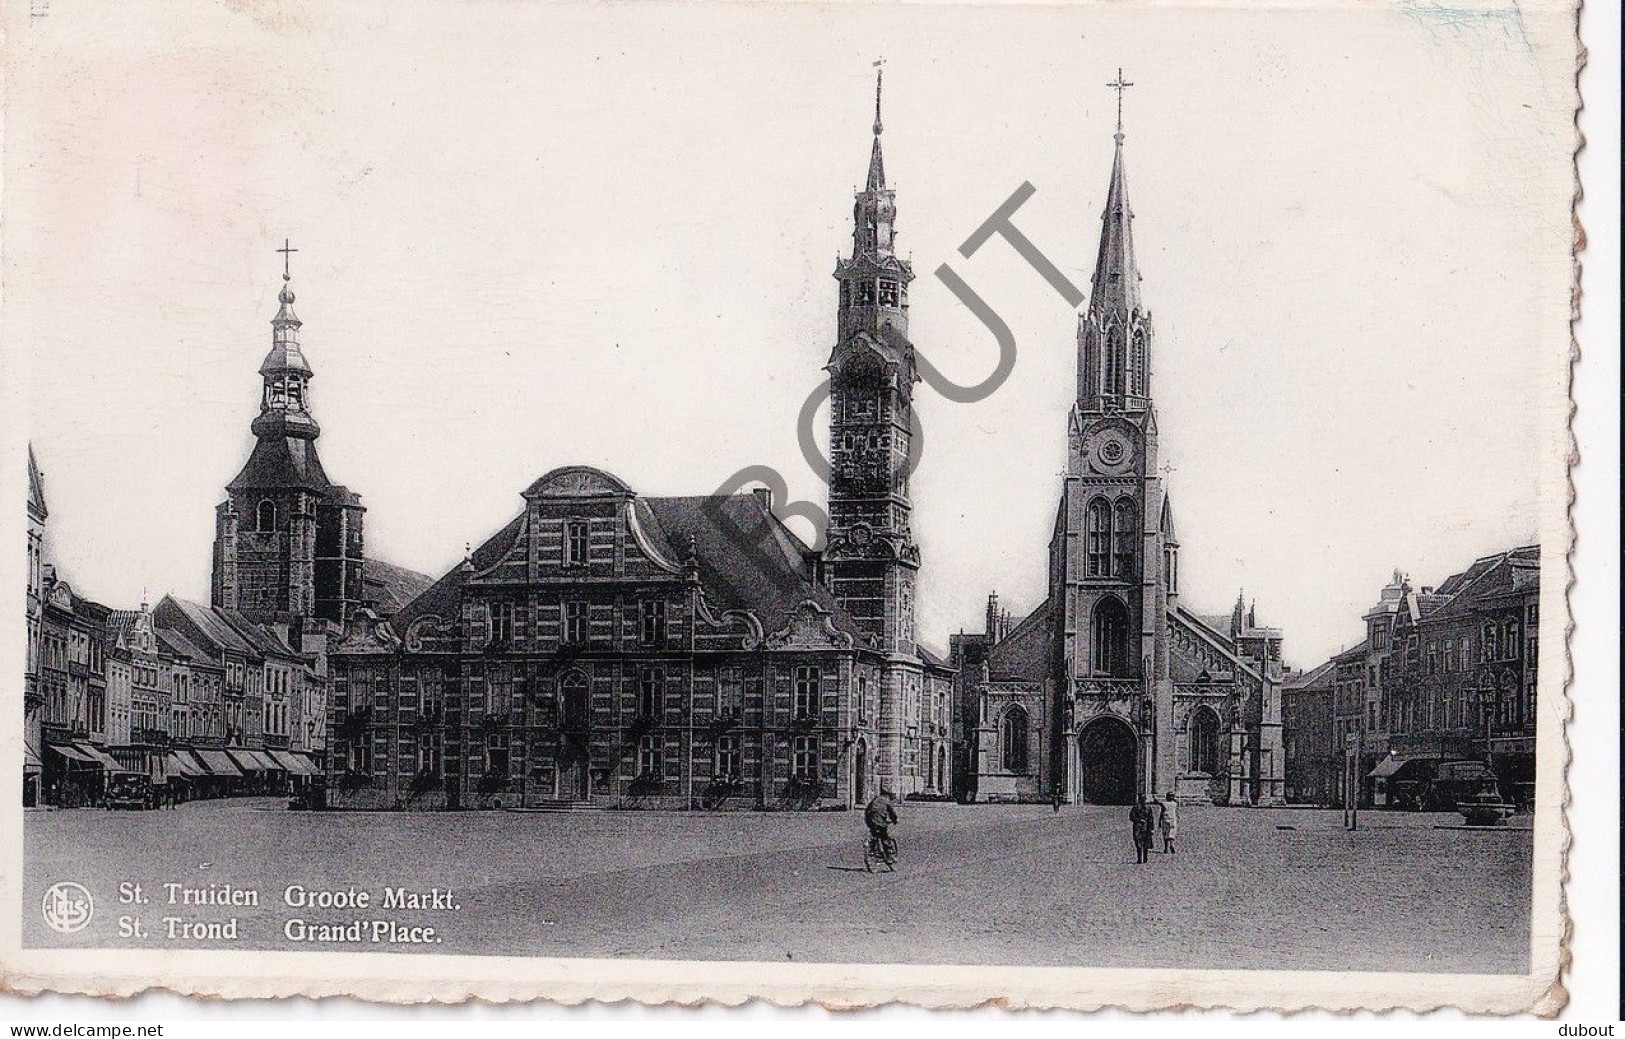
<point x="1314" y="757"/>
<point x="1112" y="687"/>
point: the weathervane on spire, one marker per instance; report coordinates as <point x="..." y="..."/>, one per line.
<point x="879" y="66"/>
<point x="1120" y="85"/>
<point x="285" y="251"/>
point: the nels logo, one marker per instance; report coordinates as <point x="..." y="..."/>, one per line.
<point x="68" y="907"/>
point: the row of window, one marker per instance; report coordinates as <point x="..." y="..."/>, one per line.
<point x="869" y="292"/>
<point x="1112" y="533"/>
<point x="727" y="755"/>
<point x="576" y="621"/>
<point x="1111" y="371"/>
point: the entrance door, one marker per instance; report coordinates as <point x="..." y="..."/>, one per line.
<point x="574" y="776"/>
<point x="1106" y="753"/>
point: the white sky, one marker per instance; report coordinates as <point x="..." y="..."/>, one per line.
<point x="540" y="235"/>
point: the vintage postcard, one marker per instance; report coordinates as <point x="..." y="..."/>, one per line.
<point x="1056" y="504"/>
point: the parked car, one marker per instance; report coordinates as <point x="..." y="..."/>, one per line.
<point x="128" y="790"/>
<point x="1442" y="786"/>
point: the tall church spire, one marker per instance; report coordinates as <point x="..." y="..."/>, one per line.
<point x="1114" y="334"/>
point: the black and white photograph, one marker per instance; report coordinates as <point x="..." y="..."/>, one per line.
<point x="936" y="503"/>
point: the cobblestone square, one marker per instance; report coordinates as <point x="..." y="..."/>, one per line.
<point x="1007" y="884"/>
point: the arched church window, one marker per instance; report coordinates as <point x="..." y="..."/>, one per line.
<point x="1111" y="639"/>
<point x="1137" y="364"/>
<point x="1125" y="530"/>
<point x="265" y="516"/>
<point x="888" y="292"/>
<point x="1205" y="744"/>
<point x="1098" y="523"/>
<point x="1013" y="741"/>
<point x="1111" y="371"/>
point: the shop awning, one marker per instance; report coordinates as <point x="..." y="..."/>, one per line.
<point x="101" y="758"/>
<point x="176" y="765"/>
<point x="246" y="760"/>
<point x="218" y="763"/>
<point x="73" y="753"/>
<point x="297" y="764"/>
<point x="266" y="762"/>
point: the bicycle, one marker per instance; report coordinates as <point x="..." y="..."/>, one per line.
<point x="880" y="851"/>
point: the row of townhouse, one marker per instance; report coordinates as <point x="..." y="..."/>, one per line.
<point x="1444" y="673"/>
<point x="201" y="700"/>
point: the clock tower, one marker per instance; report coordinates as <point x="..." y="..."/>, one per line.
<point x="1108" y="555"/>
<point x="871" y="559"/>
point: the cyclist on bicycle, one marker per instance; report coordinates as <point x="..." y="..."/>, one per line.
<point x="880" y="815"/>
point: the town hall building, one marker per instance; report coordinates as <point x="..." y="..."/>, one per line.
<point x="611" y="648"/>
<point x="1113" y="686"/>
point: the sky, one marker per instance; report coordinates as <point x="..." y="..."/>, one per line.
<point x="539" y="235"/>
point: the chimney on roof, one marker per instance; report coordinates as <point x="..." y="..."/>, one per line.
<point x="764" y="495"/>
<point x="1427" y="589"/>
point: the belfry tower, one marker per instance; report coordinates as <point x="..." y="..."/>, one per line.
<point x="288" y="541"/>
<point x="871" y="559"/>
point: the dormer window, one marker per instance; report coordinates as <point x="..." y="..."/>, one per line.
<point x="576" y="542"/>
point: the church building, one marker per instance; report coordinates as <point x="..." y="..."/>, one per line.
<point x="1113" y="686"/>
<point x="610" y="648"/>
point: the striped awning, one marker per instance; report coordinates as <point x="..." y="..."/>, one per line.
<point x="72" y="753"/>
<point x="179" y="765"/>
<point x="296" y="764"/>
<point x="217" y="762"/>
<point x="101" y="757"/>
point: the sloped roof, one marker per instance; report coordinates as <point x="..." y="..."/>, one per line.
<point x="1028" y="652"/>
<point x="36" y="486"/>
<point x="389" y="587"/>
<point x="760" y="565"/>
<point x="181" y="646"/>
<point x="1314" y="678"/>
<point x="1487" y="576"/>
<point x="282" y="463"/>
<point x="211" y="626"/>
<point x="749" y="560"/>
<point x="119" y="623"/>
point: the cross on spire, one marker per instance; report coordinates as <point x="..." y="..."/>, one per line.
<point x="1120" y="85"/>
<point x="285" y="251"/>
<point x="880" y="71"/>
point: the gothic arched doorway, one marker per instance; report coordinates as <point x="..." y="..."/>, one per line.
<point x="1107" y="760"/>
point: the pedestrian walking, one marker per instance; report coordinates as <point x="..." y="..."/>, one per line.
<point x="1055" y="800"/>
<point x="1169" y="822"/>
<point x="1140" y="819"/>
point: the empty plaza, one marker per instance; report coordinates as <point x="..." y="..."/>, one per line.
<point x="1007" y="884"/>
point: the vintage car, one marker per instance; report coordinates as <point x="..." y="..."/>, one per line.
<point x="128" y="790"/>
<point x="1439" y="786"/>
